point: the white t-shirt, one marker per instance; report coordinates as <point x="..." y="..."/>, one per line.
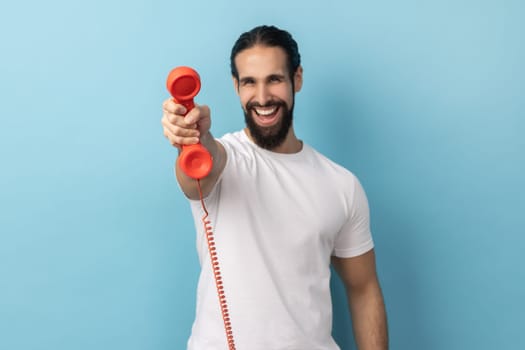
<point x="277" y="220"/>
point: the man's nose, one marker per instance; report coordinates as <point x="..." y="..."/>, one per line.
<point x="262" y="94"/>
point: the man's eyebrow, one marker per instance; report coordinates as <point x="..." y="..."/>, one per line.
<point x="277" y="75"/>
<point x="249" y="78"/>
<point x="245" y="79"/>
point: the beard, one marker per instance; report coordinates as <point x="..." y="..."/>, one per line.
<point x="269" y="137"/>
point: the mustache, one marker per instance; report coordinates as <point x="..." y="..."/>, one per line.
<point x="251" y="105"/>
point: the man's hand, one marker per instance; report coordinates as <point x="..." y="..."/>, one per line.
<point x="181" y="129"/>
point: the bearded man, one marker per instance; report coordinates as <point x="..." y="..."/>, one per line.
<point x="282" y="214"/>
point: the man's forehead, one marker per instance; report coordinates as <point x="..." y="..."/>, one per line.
<point x="261" y="60"/>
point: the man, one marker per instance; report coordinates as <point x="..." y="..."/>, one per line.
<point x="281" y="212"/>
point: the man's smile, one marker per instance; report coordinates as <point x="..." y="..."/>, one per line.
<point x="266" y="116"/>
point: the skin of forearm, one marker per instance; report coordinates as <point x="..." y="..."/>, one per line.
<point x="368" y="318"/>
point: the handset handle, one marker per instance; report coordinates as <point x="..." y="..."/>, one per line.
<point x="184" y="84"/>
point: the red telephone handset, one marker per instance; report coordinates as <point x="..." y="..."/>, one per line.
<point x="184" y="84"/>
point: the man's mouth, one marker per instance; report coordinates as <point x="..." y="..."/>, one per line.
<point x="266" y="116"/>
<point x="265" y="111"/>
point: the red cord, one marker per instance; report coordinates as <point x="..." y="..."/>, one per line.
<point x="217" y="273"/>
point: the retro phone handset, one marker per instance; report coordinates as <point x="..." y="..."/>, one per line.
<point x="184" y="84"/>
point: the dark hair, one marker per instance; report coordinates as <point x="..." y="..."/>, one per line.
<point x="270" y="36"/>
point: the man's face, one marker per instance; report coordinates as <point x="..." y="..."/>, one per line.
<point x="266" y="93"/>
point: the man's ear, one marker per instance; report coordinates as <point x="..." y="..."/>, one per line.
<point x="298" y="79"/>
<point x="235" y="84"/>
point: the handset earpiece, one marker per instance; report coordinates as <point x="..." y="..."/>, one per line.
<point x="184" y="84"/>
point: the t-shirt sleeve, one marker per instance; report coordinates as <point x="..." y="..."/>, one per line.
<point x="355" y="237"/>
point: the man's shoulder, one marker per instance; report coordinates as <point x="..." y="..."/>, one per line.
<point x="328" y="162"/>
<point x="233" y="138"/>
<point x="232" y="134"/>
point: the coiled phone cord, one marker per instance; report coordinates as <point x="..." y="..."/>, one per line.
<point x="217" y="272"/>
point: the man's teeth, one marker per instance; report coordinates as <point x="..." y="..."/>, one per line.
<point x="265" y="111"/>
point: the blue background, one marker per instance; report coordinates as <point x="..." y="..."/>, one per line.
<point x="423" y="100"/>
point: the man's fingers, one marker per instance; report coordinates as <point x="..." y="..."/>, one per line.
<point x="179" y="135"/>
<point x="197" y="114"/>
<point x="170" y="121"/>
<point x="178" y="141"/>
<point x="176" y="114"/>
<point x="180" y="131"/>
<point x="178" y="120"/>
<point x="170" y="106"/>
<point x="170" y="138"/>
